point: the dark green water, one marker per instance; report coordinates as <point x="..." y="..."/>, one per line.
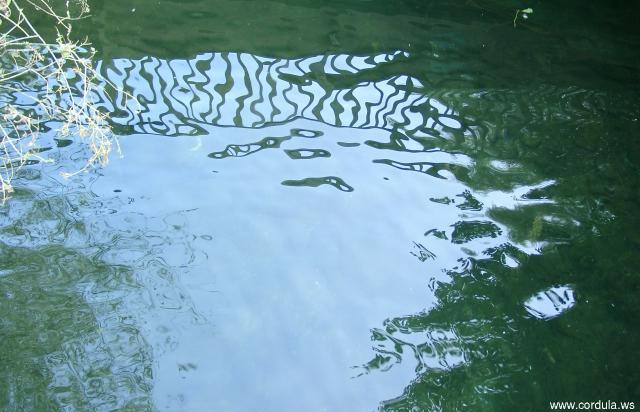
<point x="337" y="206"/>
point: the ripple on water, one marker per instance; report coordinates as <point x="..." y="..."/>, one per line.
<point x="334" y="181"/>
<point x="80" y="285"/>
<point x="551" y="302"/>
<point x="109" y="272"/>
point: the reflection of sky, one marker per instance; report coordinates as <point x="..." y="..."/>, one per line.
<point x="295" y="277"/>
<point x="265" y="282"/>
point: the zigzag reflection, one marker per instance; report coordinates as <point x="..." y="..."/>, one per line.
<point x="183" y="96"/>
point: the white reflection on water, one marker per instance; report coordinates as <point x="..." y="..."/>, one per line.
<point x="552" y="302"/>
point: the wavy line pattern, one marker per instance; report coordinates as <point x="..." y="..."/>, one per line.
<point x="182" y="96"/>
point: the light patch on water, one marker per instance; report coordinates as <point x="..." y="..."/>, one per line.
<point x="511" y="262"/>
<point x="450" y="122"/>
<point x="515" y="197"/>
<point x="502" y="166"/>
<point x="551" y="302"/>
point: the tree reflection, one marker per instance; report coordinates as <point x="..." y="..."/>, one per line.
<point x="77" y="283"/>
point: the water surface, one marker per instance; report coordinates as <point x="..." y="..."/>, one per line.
<point x="329" y="206"/>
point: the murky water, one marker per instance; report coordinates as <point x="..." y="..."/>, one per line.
<point x="337" y="206"/>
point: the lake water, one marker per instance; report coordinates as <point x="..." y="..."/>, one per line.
<point x="336" y="206"/>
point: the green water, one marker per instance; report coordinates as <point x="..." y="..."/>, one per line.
<point x="337" y="206"/>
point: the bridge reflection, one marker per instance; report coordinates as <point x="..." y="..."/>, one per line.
<point x="183" y="96"/>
